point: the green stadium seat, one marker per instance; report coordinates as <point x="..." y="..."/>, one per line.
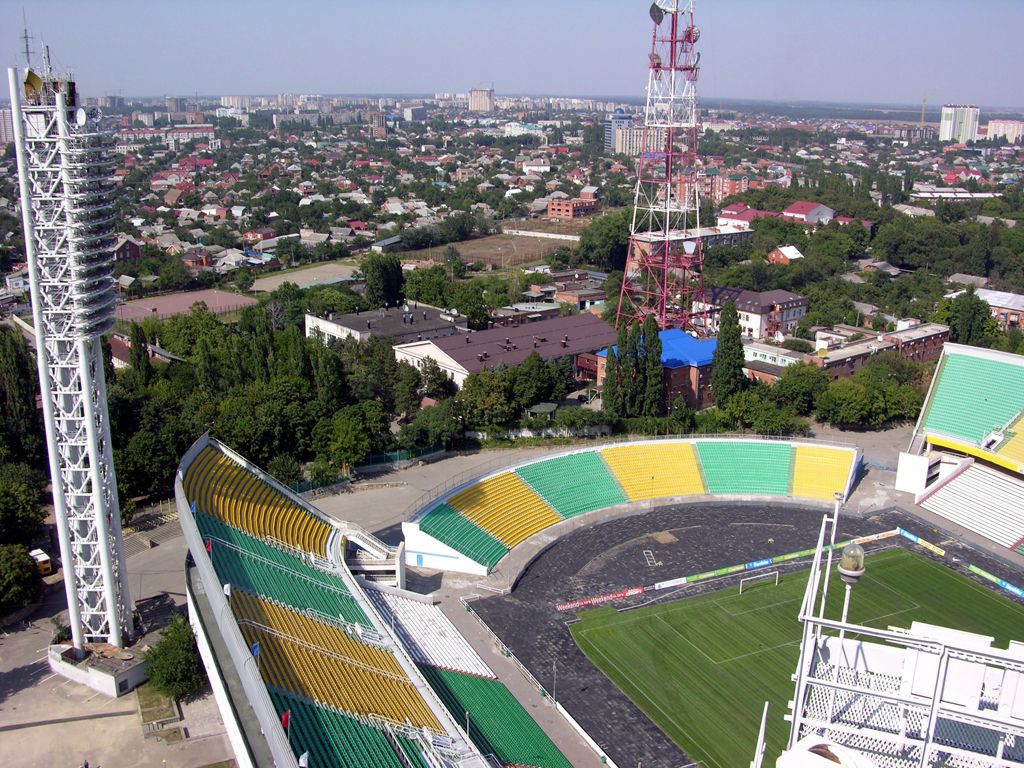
<point x="741" y="467"/>
<point x="251" y="564"/>
<point x="332" y="738"/>
<point x="449" y="527"/>
<point x="973" y="396"/>
<point x="498" y="724"/>
<point x="574" y="484"/>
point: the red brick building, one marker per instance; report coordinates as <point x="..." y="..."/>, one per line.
<point x="570" y="209"/>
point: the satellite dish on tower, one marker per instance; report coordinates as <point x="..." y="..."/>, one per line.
<point x="81" y="117"/>
<point x="33" y="84"/>
<point x="657" y="14"/>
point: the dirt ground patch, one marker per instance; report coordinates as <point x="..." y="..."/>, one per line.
<point x="170" y="304"/>
<point x="554" y="226"/>
<point x="306" y="277"/>
<point x="500" y="251"/>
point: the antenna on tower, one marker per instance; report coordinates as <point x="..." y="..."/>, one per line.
<point x="25" y="38"/>
<point x="665" y="261"/>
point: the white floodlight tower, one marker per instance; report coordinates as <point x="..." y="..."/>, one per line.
<point x="64" y="170"/>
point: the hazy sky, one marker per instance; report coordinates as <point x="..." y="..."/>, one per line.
<point x="888" y="51"/>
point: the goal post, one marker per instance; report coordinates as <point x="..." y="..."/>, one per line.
<point x="759" y="577"/>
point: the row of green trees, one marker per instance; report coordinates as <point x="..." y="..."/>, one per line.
<point x="21" y="473"/>
<point x="634" y="382"/>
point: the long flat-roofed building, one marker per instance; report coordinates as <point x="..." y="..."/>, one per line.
<point x="411" y="322"/>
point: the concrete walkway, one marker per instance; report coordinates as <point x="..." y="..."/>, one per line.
<point x="47" y="720"/>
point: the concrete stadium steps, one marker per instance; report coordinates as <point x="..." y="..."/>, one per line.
<point x="498" y="724"/>
<point x="573" y="484"/>
<point x="322" y="663"/>
<point x="461" y="534"/>
<point x="985" y="501"/>
<point x="221" y="487"/>
<point x="746" y="467"/>
<point x="248" y="563"/>
<point x="819" y="472"/>
<point x="427" y="634"/>
<point x="655" y="470"/>
<point x="972" y="396"/>
<point x="331" y="738"/>
<point x="505" y="507"/>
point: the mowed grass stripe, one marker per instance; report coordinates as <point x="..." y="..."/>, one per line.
<point x="701" y="668"/>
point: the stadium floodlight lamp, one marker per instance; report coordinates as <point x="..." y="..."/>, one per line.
<point x="851" y="563"/>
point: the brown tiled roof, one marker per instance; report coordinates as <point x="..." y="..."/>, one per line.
<point x="510" y="345"/>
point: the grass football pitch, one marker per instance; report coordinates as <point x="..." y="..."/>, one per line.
<point x="702" y="667"/>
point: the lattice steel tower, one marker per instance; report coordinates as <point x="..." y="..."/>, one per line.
<point x="64" y="172"/>
<point x="664" y="267"/>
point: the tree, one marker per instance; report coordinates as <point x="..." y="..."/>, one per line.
<point x="19" y="579"/>
<point x="21" y="517"/>
<point x="846" y="403"/>
<point x="20" y="425"/>
<point x="799" y="387"/>
<point x="969" y="317"/>
<point x="431" y="286"/>
<point x="407" y="389"/>
<point x="605" y="241"/>
<point x="349" y="442"/>
<point x="530" y="382"/>
<point x="173" y="663"/>
<point x="453" y="261"/>
<point x="433" y="426"/>
<point x="485" y="399"/>
<point x="285" y="469"/>
<point x="436" y="383"/>
<point x="727" y="365"/>
<point x="631" y="375"/>
<point x="681" y="420"/>
<point x="383" y="275"/>
<point x="654" y="390"/>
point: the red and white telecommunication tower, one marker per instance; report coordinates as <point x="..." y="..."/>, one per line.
<point x="664" y="267"/>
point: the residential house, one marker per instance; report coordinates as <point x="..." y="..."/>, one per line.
<point x="762" y="314"/>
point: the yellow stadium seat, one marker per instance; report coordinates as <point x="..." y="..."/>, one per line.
<point x="655" y="470"/>
<point x="506" y="507"/>
<point x="819" y="472"/>
<point x="227" y="490"/>
<point x="320" y="661"/>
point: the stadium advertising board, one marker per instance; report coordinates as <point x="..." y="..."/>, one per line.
<point x="670" y="583"/>
<point x="588" y="601"/>
<point x="921" y="542"/>
<point x="753" y="565"/>
<point x="1013" y="589"/>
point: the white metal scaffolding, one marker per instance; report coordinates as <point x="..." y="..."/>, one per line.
<point x="64" y="169"/>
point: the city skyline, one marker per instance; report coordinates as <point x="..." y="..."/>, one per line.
<point x="572" y="49"/>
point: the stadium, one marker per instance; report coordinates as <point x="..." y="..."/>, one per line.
<point x="648" y="593"/>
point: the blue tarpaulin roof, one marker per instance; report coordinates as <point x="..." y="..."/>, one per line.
<point x="679" y="348"/>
